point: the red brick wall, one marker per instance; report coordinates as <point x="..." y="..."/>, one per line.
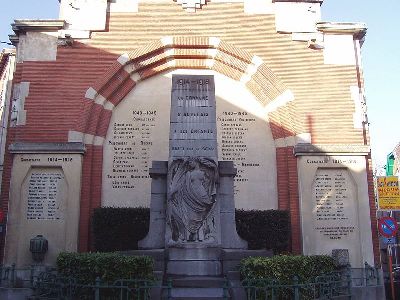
<point x="56" y="102"/>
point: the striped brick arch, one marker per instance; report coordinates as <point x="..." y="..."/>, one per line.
<point x="159" y="56"/>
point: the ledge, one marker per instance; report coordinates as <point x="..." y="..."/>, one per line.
<point x="356" y="29"/>
<point x="309" y="149"/>
<point x="24" y="25"/>
<point x="39" y="148"/>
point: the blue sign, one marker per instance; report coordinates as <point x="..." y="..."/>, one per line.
<point x="391" y="240"/>
<point x="387" y="226"/>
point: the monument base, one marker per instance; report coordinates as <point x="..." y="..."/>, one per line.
<point x="194" y="261"/>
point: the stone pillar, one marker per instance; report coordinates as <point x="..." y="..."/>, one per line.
<point x="229" y="237"/>
<point x="155" y="239"/>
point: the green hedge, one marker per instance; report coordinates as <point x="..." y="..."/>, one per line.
<point x="285" y="267"/>
<point x="86" y="267"/>
<point x="118" y="229"/>
<point x="264" y="229"/>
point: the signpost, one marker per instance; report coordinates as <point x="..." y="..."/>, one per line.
<point x="387" y="227"/>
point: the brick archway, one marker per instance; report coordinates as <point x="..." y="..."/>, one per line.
<point x="170" y="53"/>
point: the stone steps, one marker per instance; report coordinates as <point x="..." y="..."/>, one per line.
<point x="197" y="287"/>
<point x="195" y="293"/>
<point x="198" y="282"/>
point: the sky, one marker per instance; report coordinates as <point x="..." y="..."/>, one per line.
<point x="380" y="56"/>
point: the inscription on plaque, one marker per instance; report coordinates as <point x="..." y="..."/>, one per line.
<point x="192" y="167"/>
<point x="44" y="195"/>
<point x="193" y="129"/>
<point x="188" y="112"/>
<point x="131" y="142"/>
<point x="235" y="128"/>
<point x="334" y="204"/>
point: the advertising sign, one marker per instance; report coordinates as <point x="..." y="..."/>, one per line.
<point x="388" y="193"/>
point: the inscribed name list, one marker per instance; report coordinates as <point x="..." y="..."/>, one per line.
<point x="44" y="196"/>
<point x="193" y="131"/>
<point x="334" y="204"/>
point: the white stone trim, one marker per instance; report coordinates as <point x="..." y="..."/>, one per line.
<point x="252" y="68"/>
<point x="98" y="141"/>
<point x="171" y="63"/>
<point x="91" y="93"/>
<point x="135" y="77"/>
<point x="123" y="6"/>
<point x="75" y="136"/>
<point x="284" y="98"/>
<point x="285" y="142"/>
<point x="130" y="68"/>
<point x="109" y="106"/>
<point x="291" y="141"/>
<point x="100" y="100"/>
<point x="210" y="63"/>
<point x="214" y="41"/>
<point x="167" y="40"/>
<point x="88" y="139"/>
<point x="358" y="115"/>
<point x="303" y="138"/>
<point x="123" y="59"/>
<point x="18" y="113"/>
<point x="212" y="52"/>
<point x="258" y="7"/>
<point x="75" y="34"/>
<point x="169" y="52"/>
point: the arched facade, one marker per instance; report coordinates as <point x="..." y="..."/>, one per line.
<point x="182" y="52"/>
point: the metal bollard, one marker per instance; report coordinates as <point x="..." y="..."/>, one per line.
<point x="296" y="288"/>
<point x="97" y="289"/>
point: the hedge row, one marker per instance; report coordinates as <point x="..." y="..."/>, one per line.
<point x="117" y="229"/>
<point x="86" y="267"/>
<point x="264" y="229"/>
<point x="284" y="267"/>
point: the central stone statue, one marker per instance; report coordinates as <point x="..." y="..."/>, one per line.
<point x="191" y="199"/>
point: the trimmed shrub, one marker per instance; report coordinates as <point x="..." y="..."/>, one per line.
<point x="118" y="229"/>
<point x="86" y="267"/>
<point x="264" y="229"/>
<point x="284" y="267"/>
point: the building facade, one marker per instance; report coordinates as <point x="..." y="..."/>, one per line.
<point x="91" y="111"/>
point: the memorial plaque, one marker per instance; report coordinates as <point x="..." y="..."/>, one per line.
<point x="192" y="166"/>
<point x="139" y="132"/>
<point x="137" y="135"/>
<point x="193" y="129"/>
<point x="335" y="208"/>
<point x="44" y="195"/>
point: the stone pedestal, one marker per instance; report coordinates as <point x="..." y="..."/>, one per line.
<point x="194" y="260"/>
<point x="156" y="236"/>
<point x="229" y="237"/>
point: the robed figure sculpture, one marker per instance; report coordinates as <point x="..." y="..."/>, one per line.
<point x="191" y="199"/>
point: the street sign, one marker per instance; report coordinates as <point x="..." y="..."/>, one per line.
<point x="391" y="240"/>
<point x="387" y="226"/>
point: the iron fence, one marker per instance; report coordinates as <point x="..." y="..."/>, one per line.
<point x="47" y="284"/>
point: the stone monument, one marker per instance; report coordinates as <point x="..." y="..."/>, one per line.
<point x="192" y="201"/>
